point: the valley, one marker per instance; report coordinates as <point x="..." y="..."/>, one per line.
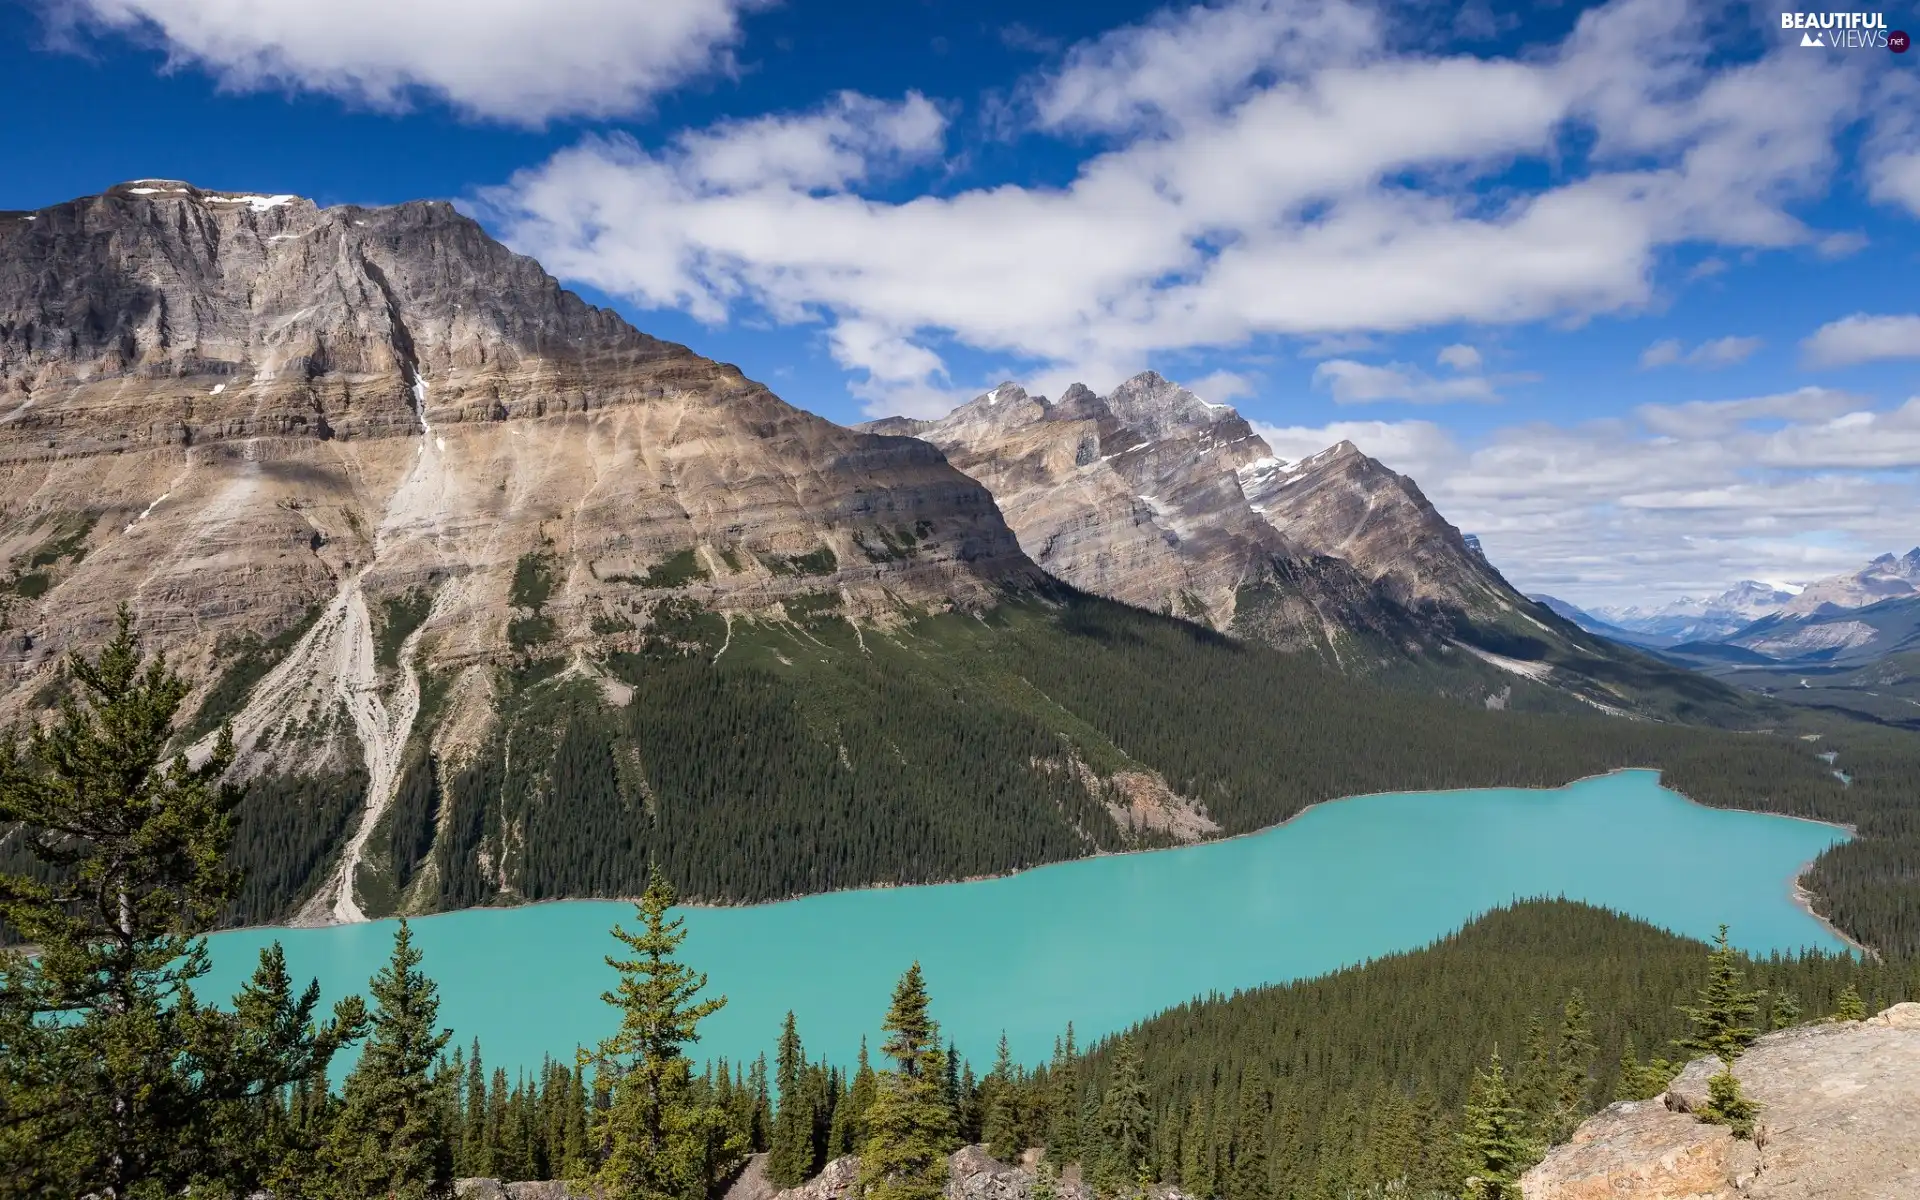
<point x="505" y="599"/>
<point x="1109" y="941"/>
<point x="721" y="600"/>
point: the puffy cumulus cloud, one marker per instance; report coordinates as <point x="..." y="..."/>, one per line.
<point x="1863" y="338"/>
<point x="1893" y="161"/>
<point x="1720" y="352"/>
<point x="1186" y="65"/>
<point x="1263" y="168"/>
<point x="1460" y="357"/>
<point x="520" y="61"/>
<point x="1353" y="382"/>
<point x="1677" y="499"/>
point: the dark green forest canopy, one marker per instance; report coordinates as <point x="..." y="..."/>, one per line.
<point x="813" y="756"/>
<point x="1369" y="1066"/>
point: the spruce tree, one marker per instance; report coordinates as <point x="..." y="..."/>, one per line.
<point x="1535" y="1089"/>
<point x="476" y="1157"/>
<point x="1573" y="1064"/>
<point x="1723" y="1017"/>
<point x="1196" y="1151"/>
<point x="1063" y="1116"/>
<point x="760" y="1121"/>
<point x="390" y="1137"/>
<point x="1001" y="1129"/>
<point x="1494" y="1147"/>
<point x="114" y="1078"/>
<point x="252" y="1063"/>
<point x="1125" y="1125"/>
<point x="1046" y="1181"/>
<point x="1785" y="1011"/>
<point x="1848" y="1006"/>
<point x="790" y="1144"/>
<point x="851" y="1133"/>
<point x="1727" y="1105"/>
<point x="577" y="1156"/>
<point x="664" y="1137"/>
<point x="1247" y="1177"/>
<point x="910" y="1122"/>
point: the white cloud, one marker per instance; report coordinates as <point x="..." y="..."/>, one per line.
<point x="1863" y="338"/>
<point x="1359" y="383"/>
<point x="1685" y="499"/>
<point x="1256" y="182"/>
<point x="1221" y="387"/>
<point x="1719" y="352"/>
<point x="520" y="61"/>
<point x="1663" y="353"/>
<point x="1710" y="418"/>
<point x="1184" y="65"/>
<point x="1893" y="162"/>
<point x="1460" y="357"/>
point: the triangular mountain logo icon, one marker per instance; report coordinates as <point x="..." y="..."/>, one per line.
<point x="1811" y="39"/>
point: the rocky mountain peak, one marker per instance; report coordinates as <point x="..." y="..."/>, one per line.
<point x="1006" y="405"/>
<point x="1079" y="403"/>
<point x="1154" y="407"/>
<point x="252" y="417"/>
<point x="1887" y="577"/>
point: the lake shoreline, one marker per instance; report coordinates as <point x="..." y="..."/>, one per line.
<point x="1802" y="898"/>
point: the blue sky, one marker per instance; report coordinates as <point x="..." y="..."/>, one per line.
<point x="1627" y="287"/>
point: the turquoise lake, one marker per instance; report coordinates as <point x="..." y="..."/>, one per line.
<point x="1105" y="941"/>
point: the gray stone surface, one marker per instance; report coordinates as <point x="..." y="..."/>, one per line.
<point x="1839" y="1120"/>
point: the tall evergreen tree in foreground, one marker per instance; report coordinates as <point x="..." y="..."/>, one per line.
<point x="1494" y="1148"/>
<point x="1126" y="1131"/>
<point x="790" y="1144"/>
<point x="910" y="1124"/>
<point x="662" y="1136"/>
<point x="114" y="1079"/>
<point x="1000" y="1124"/>
<point x="392" y="1136"/>
<point x="1725" y="1016"/>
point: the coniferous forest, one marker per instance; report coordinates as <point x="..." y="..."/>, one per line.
<point x="813" y="756"/>
<point x="1443" y="1071"/>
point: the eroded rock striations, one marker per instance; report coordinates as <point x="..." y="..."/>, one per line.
<point x="1155" y="497"/>
<point x="1839" y="1120"/>
<point x="250" y="416"/>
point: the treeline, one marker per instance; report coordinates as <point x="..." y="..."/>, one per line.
<point x="116" y="1080"/>
<point x="812" y="756"/>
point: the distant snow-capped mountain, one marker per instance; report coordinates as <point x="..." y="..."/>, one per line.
<point x="1888" y="577"/>
<point x="1704" y="618"/>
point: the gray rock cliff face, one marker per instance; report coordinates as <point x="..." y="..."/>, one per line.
<point x="1839" y="1120"/>
<point x="233" y="409"/>
<point x="1154" y="497"/>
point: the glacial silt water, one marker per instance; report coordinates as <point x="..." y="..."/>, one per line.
<point x="1106" y="941"/>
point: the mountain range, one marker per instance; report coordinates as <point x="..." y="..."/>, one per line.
<point x="1722" y="617"/>
<point x="504" y="598"/>
<point x="1849" y="642"/>
<point x="1157" y="498"/>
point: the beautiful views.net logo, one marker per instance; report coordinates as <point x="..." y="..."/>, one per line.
<point x="1840" y="30"/>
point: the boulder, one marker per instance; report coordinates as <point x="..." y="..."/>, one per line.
<point x="1839" y="1120"/>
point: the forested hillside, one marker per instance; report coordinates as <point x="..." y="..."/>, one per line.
<point x="1350" y="1085"/>
<point x="115" y="1079"/>
<point x="813" y="755"/>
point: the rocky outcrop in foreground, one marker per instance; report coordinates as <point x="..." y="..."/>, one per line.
<point x="1839" y="1120"/>
<point x="973" y="1174"/>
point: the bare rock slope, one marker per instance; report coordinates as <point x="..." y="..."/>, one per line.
<point x="1839" y="1120"/>
<point x="1155" y="497"/>
<point x="381" y="435"/>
